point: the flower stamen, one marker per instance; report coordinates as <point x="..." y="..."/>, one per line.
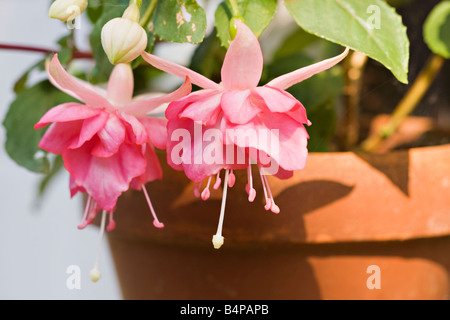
<point x="95" y="274"/>
<point x="249" y="186"/>
<point x="87" y="209"/>
<point x="218" y="181"/>
<point x="206" y="193"/>
<point x="218" y="239"/>
<point x="273" y="207"/>
<point x="156" y="222"/>
<point x="268" y="200"/>
<point x="231" y="179"/>
<point x="111" y="224"/>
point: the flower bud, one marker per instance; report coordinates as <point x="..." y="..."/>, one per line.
<point x="123" y="39"/>
<point x="66" y="10"/>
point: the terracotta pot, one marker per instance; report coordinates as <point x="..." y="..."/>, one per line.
<point x="339" y="216"/>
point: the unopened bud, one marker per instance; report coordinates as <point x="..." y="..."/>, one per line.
<point x="123" y="40"/>
<point x="66" y="10"/>
<point x="132" y="13"/>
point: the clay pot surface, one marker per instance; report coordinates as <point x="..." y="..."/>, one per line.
<point x="342" y="214"/>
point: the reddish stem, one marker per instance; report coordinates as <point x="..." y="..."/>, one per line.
<point x="76" y="54"/>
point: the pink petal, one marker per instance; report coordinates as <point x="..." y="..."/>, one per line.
<point x="153" y="169"/>
<point x="74" y="188"/>
<point x="190" y="151"/>
<point x="205" y="110"/>
<point x="275" y="99"/>
<point x="89" y="129"/>
<point x="121" y="85"/>
<point x="66" y="112"/>
<point x="289" y="79"/>
<point x="60" y="135"/>
<point x="75" y="87"/>
<point x="135" y="129"/>
<point x="111" y="137"/>
<point x="288" y="149"/>
<point x="176" y="107"/>
<point x="180" y="71"/>
<point x="140" y="108"/>
<point x="156" y="131"/>
<point x="105" y="179"/>
<point x="243" y="64"/>
<point x="238" y="107"/>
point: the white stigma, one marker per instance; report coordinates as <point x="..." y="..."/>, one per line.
<point x="218" y="239"/>
<point x="95" y="274"/>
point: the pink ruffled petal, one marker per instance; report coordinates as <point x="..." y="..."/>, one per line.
<point x="140" y="108"/>
<point x="243" y="64"/>
<point x="275" y="99"/>
<point x="153" y="169"/>
<point x="205" y="110"/>
<point x="111" y="137"/>
<point x="105" y="179"/>
<point x="289" y="79"/>
<point x="176" y="107"/>
<point x="89" y="129"/>
<point x="75" y="87"/>
<point x="66" y="112"/>
<point x="180" y="71"/>
<point x="156" y="131"/>
<point x="60" y="135"/>
<point x="136" y="130"/>
<point x="276" y="135"/>
<point x="238" y="106"/>
<point x="199" y="150"/>
<point x="120" y="85"/>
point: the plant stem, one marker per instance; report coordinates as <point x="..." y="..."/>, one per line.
<point x="148" y="13"/>
<point x="235" y="8"/>
<point x="76" y="54"/>
<point x="353" y="78"/>
<point x="407" y="104"/>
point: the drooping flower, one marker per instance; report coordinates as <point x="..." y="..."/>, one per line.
<point x="107" y="143"/>
<point x="236" y="123"/>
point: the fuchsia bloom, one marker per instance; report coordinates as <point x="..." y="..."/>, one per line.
<point x="239" y="105"/>
<point x="107" y="143"/>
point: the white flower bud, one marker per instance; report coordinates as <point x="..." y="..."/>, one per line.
<point x="123" y="40"/>
<point x="66" y="10"/>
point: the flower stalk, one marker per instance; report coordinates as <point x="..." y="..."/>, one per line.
<point x="407" y="104"/>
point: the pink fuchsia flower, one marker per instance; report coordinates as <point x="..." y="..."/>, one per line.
<point x="238" y="105"/>
<point x="107" y="143"/>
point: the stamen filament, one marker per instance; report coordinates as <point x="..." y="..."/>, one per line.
<point x="95" y="274"/>
<point x="217" y="239"/>
<point x="268" y="201"/>
<point x="111" y="224"/>
<point x="206" y="193"/>
<point x="156" y="222"/>
<point x="85" y="215"/>
<point x="218" y="181"/>
<point x="250" y="190"/>
<point x="231" y="179"/>
<point x="274" y="208"/>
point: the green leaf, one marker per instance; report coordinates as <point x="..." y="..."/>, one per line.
<point x="257" y="15"/>
<point x="179" y="21"/>
<point x="371" y="27"/>
<point x="22" y="139"/>
<point x="436" y="29"/>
